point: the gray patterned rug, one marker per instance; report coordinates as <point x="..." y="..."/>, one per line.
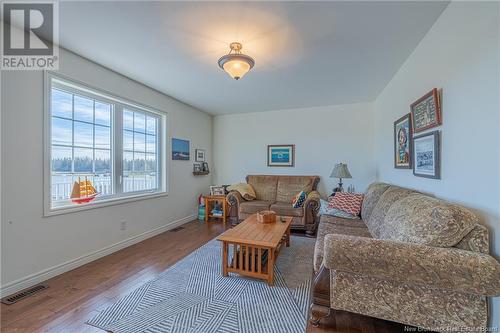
<point x="192" y="296"/>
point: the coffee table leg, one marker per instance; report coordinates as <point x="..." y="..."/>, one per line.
<point x="287" y="243"/>
<point x="270" y="267"/>
<point x="224" y="213"/>
<point x="224" y="258"/>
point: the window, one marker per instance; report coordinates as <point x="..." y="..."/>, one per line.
<point x="114" y="144"/>
<point x="81" y="143"/>
<point x="140" y="136"/>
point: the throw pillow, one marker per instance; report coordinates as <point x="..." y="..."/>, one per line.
<point x="246" y="190"/>
<point x="324" y="210"/>
<point x="347" y="202"/>
<point x="299" y="199"/>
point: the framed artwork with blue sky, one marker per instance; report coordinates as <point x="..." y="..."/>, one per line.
<point x="180" y="149"/>
<point x="281" y="155"/>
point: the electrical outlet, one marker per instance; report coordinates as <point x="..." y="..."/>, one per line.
<point x="123" y="225"/>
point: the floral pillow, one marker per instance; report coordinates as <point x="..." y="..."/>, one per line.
<point x="324" y="210"/>
<point x="298" y="200"/>
<point x="347" y="202"/>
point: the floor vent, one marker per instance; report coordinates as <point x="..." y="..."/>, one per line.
<point x="23" y="294"/>
<point x="176" y="229"/>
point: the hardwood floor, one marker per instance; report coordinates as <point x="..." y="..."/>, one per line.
<point x="78" y="295"/>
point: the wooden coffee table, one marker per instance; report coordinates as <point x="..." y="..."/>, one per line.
<point x="255" y="247"/>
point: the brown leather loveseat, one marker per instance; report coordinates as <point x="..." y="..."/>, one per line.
<point x="275" y="193"/>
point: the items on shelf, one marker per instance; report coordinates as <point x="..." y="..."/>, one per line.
<point x="200" y="169"/>
<point x="217" y="210"/>
<point x="218" y="190"/>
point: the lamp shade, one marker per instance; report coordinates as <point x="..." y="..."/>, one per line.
<point x="236" y="66"/>
<point x="340" y="171"/>
<point x="235" y="63"/>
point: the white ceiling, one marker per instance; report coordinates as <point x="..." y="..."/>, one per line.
<point x="306" y="53"/>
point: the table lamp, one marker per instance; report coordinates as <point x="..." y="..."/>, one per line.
<point x="340" y="171"/>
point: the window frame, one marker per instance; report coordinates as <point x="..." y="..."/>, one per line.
<point x="118" y="104"/>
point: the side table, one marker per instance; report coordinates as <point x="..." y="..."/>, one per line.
<point x="209" y="200"/>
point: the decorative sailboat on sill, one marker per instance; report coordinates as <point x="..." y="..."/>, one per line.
<point x="83" y="192"/>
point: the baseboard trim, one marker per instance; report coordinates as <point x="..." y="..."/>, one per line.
<point x="33" y="279"/>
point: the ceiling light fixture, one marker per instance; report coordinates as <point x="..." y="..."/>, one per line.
<point x="235" y="63"/>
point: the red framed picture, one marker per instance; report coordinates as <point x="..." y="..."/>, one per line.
<point x="426" y="112"/>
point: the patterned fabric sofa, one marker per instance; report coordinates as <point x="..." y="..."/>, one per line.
<point x="276" y="193"/>
<point x="411" y="258"/>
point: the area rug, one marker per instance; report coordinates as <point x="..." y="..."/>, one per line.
<point x="192" y="296"/>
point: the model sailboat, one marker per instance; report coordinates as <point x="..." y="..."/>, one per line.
<point x="83" y="191"/>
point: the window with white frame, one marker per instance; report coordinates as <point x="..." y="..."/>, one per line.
<point x="140" y="155"/>
<point x="108" y="141"/>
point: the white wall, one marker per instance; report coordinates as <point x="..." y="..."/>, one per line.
<point x="32" y="243"/>
<point x="460" y="54"/>
<point x="322" y="136"/>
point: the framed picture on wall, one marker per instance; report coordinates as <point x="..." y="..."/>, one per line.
<point x="281" y="155"/>
<point x="200" y="155"/>
<point x="427" y="155"/>
<point x="403" y="142"/>
<point x="180" y="149"/>
<point x="426" y="111"/>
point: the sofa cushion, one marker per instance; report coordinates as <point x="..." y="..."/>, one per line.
<point x="285" y="208"/>
<point x="254" y="206"/>
<point x="476" y="240"/>
<point x="347" y="222"/>
<point x="336" y="225"/>
<point x="372" y="196"/>
<point x="264" y="187"/>
<point x="390" y="196"/>
<point x="289" y="186"/>
<point x="422" y="219"/>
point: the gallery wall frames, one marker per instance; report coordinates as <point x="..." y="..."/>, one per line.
<point x="180" y="150"/>
<point x="403" y="138"/>
<point x="421" y="152"/>
<point x="427" y="155"/>
<point x="426" y="111"/>
<point x="200" y="155"/>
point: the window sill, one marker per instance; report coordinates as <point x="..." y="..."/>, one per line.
<point x="102" y="203"/>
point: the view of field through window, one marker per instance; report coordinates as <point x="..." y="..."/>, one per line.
<point x="81" y="143"/>
<point x="83" y="146"/>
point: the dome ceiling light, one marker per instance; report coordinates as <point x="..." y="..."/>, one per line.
<point x="235" y="63"/>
